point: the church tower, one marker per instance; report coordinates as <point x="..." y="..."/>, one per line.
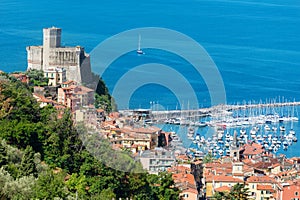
<point x="234" y="148"/>
<point x="237" y="170"/>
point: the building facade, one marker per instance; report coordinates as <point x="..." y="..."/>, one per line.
<point x="56" y="76"/>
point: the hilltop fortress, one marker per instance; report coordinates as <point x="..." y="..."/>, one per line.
<point x="52" y="56"/>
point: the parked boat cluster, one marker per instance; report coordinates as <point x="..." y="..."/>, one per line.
<point x="272" y="127"/>
<point x="272" y="137"/>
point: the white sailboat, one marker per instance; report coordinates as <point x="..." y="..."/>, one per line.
<point x="139" y="50"/>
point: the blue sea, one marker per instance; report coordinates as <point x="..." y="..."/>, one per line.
<point x="254" y="44"/>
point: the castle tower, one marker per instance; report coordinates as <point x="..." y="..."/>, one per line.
<point x="51" y="55"/>
<point x="51" y="39"/>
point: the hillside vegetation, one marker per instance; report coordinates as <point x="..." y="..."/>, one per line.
<point x="42" y="157"/>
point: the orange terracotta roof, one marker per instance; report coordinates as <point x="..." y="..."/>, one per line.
<point x="218" y="165"/>
<point x="183" y="178"/>
<point x="149" y="130"/>
<point x="68" y="82"/>
<point x="223" y="189"/>
<point x="114" y="115"/>
<point x="59" y="106"/>
<point x="198" y="162"/>
<point x="190" y="190"/>
<point x="100" y="110"/>
<point x="265" y="187"/>
<point x="275" y="165"/>
<point x="252" y="149"/>
<point x="246" y="161"/>
<point x="247" y="168"/>
<point x="261" y="179"/>
<point x="182" y="157"/>
<point x="222" y="178"/>
<point x="178" y="169"/>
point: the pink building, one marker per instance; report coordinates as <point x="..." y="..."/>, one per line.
<point x="75" y="96"/>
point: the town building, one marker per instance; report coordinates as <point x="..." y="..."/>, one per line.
<point x="75" y="96"/>
<point x="21" y="77"/>
<point x="56" y="76"/>
<point x="291" y="190"/>
<point x="157" y="160"/>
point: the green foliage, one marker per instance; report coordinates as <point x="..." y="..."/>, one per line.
<point x="11" y="188"/>
<point x="3" y="155"/>
<point x="101" y="88"/>
<point x="34" y="141"/>
<point x="238" y="191"/>
<point x="208" y="158"/>
<point x="37" y="78"/>
<point x="163" y="186"/>
<point x="27" y="164"/>
<point x="106" y="194"/>
<point x="50" y="186"/>
<point x="103" y="99"/>
<point x="77" y="184"/>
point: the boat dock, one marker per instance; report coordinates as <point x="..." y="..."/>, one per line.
<point x="158" y="115"/>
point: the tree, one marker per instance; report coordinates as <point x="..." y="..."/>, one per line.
<point x="107" y="194"/>
<point x="221" y="196"/>
<point x="50" y="186"/>
<point x="239" y="191"/>
<point x="37" y="77"/>
<point x="77" y="184"/>
<point x="208" y="158"/>
<point x="27" y="164"/>
<point x="3" y="155"/>
<point x="163" y="186"/>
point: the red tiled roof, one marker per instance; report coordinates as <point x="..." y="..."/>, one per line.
<point x="183" y="178"/>
<point x="218" y="165"/>
<point x="148" y="130"/>
<point x="252" y="149"/>
<point x="181" y="169"/>
<point x="261" y="179"/>
<point x="223" y="178"/>
<point x="68" y="82"/>
<point x="223" y="189"/>
<point x="190" y="190"/>
<point x="265" y="187"/>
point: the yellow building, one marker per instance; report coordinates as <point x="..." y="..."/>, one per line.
<point x="263" y="187"/>
<point x="213" y="182"/>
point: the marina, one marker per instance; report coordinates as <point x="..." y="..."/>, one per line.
<point x="274" y="126"/>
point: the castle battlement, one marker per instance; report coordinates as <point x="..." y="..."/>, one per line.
<point x="51" y="55"/>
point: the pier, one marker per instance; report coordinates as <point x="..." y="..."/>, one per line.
<point x="158" y="115"/>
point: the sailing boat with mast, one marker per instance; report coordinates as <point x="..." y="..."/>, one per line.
<point x="139" y="50"/>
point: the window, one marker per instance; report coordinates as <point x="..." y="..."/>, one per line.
<point x="296" y="193"/>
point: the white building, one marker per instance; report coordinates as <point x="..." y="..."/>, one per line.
<point x="56" y="76"/>
<point x="158" y="160"/>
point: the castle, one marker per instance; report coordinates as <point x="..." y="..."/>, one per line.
<point x="51" y="55"/>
